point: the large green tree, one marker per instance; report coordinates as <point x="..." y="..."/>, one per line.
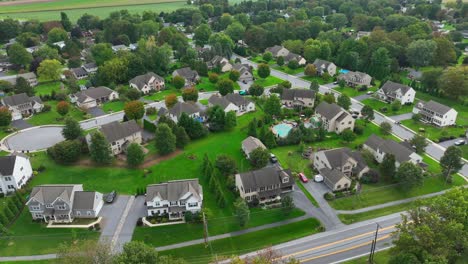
<point x="202" y="34"/>
<point x="165" y="139"/>
<point x="263" y="70"/>
<point x="344" y="101"/>
<point x="225" y="86"/>
<point x="101" y="53"/>
<point x="5" y="117"/>
<point x="409" y="176"/>
<point x="135" y="155"/>
<point x="454" y="81"/>
<point x="379" y="66"/>
<point x="18" y="55"/>
<point x="134" y="110"/>
<point x="387" y="167"/>
<point x="72" y="129"/>
<point x="420" y="53"/>
<point x="259" y="158"/>
<point x="100" y="149"/>
<point x="273" y="106"/>
<point x="50" y="70"/>
<point x="242" y="211"/>
<point x="451" y="162"/>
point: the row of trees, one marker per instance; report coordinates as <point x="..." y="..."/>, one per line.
<point x="13" y="206"/>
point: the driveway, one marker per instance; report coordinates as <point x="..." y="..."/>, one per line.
<point x="20" y="124"/>
<point x="317" y="190"/>
<point x="111" y="214"/>
<point x="244" y="86"/>
<point x="95" y="111"/>
<point x="402" y="117"/>
<point x="137" y="210"/>
<point x="303" y="203"/>
<point x="449" y="143"/>
<point x="362" y="97"/>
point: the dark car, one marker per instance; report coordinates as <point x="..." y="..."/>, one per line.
<point x="110" y="197"/>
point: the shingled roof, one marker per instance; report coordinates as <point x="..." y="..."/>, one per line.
<point x="142" y="80"/>
<point x="251" y="143"/>
<point x="436" y="107"/>
<point x="401" y="152"/>
<point x="84" y="200"/>
<point x="174" y="190"/>
<point x="291" y="94"/>
<point x="7" y="165"/>
<point x="47" y="194"/>
<point x="264" y="177"/>
<point x="391" y="87"/>
<point x="19" y="99"/>
<point x="183" y="107"/>
<point x="329" y="111"/>
<point x="115" y="130"/>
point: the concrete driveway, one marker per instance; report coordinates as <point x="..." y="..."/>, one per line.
<point x="244" y="86"/>
<point x="362" y="97"/>
<point x="402" y="117"/>
<point x="111" y="214"/>
<point x="451" y="142"/>
<point x="20" y="124"/>
<point x="95" y="111"/>
<point x="317" y="190"/>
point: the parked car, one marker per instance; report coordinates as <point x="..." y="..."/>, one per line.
<point x="460" y="142"/>
<point x="369" y="92"/>
<point x="273" y="158"/>
<point x="397" y="122"/>
<point x="303" y="178"/>
<point x="110" y="197"/>
<point x="243" y="92"/>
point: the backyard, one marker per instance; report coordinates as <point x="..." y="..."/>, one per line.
<point x="353" y="92"/>
<point x="433" y="132"/>
<point x="53" y="117"/>
<point x="268" y="81"/>
<point x="113" y="106"/>
<point x="378" y="105"/>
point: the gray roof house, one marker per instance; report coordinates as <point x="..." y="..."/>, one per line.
<point x="324" y="66"/>
<point x="79" y="73"/>
<point x="335" y="179"/>
<point x="293" y="56"/>
<point x="265" y="185"/>
<point x="90" y="67"/>
<point x="120" y="135"/>
<point x="30" y="77"/>
<point x="191" y="77"/>
<point x="63" y="203"/>
<point x="379" y="147"/>
<point x="221" y="62"/>
<point x="245" y="71"/>
<point x="191" y="109"/>
<point x="250" y="144"/>
<point x="392" y="91"/>
<point x="298" y="98"/>
<point x="21" y="105"/>
<point x="355" y="78"/>
<point x="92" y="97"/>
<point x="436" y="113"/>
<point x="350" y="163"/>
<point x="278" y="51"/>
<point x="232" y="102"/>
<point x="174" y="198"/>
<point x="147" y="82"/>
<point x="334" y="118"/>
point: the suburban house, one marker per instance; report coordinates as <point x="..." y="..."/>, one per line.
<point x="21" y="105"/>
<point x="147" y="82"/>
<point x="354" y="79"/>
<point x="90" y="67"/>
<point x="324" y="66"/>
<point x="361" y="34"/>
<point x="30" y="77"/>
<point x="265" y="185"/>
<point x="191" y="109"/>
<point x="221" y="62"/>
<point x="250" y="144"/>
<point x="33" y="49"/>
<point x="245" y="71"/>
<point x="232" y="102"/>
<point x="335" y="179"/>
<point x="298" y="98"/>
<point x="174" y="198"/>
<point x="379" y="147"/>
<point x="350" y="163"/>
<point x="334" y="118"/>
<point x="63" y="203"/>
<point x="293" y="56"/>
<point x="120" y="135"/>
<point x="392" y="91"/>
<point x="15" y="171"/>
<point x="118" y="48"/>
<point x="436" y="113"/>
<point x="278" y="51"/>
<point x="79" y="73"/>
<point x="93" y="97"/>
<point x="191" y="77"/>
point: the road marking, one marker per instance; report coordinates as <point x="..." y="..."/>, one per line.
<point x="336" y="242"/>
<point x="362" y="255"/>
<point x="344" y="250"/>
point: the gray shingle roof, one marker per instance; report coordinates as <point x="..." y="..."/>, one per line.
<point x="291" y="94"/>
<point x="274" y="50"/>
<point x="241" y="68"/>
<point x="332" y="176"/>
<point x="84" y="200"/>
<point x="391" y="87"/>
<point x="174" y="190"/>
<point x="264" y="177"/>
<point x="436" y="107"/>
<point x="398" y="150"/>
<point x="142" y="80"/>
<point x="251" y="143"/>
<point x="319" y="63"/>
<point x="94" y="93"/>
<point x="292" y="56"/>
<point x="47" y="194"/>
<point x="329" y="111"/>
<point x="115" y="130"/>
<point x="219" y="101"/>
<point x="7" y="165"/>
<point x="79" y="71"/>
<point x="237" y="99"/>
<point x="338" y="157"/>
<point x="17" y="99"/>
<point x="183" y="107"/>
<point x="90" y="65"/>
<point x="186" y="73"/>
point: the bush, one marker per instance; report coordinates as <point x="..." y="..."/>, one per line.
<point x="362" y="88"/>
<point x="371" y="176"/>
<point x="41" y="168"/>
<point x="213" y="77"/>
<point x="46" y="108"/>
<point x="139" y="222"/>
<point x="329" y="196"/>
<point x="358" y="129"/>
<point x="151" y="111"/>
<point x="383" y="109"/>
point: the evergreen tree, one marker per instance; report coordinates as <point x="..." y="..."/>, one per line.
<point x="165" y="139"/>
<point x="242" y="211"/>
<point x="135" y="155"/>
<point x="387" y="167"/>
<point x="270" y="139"/>
<point x="182" y="139"/>
<point x="230" y="121"/>
<point x="99" y="149"/>
<point x="72" y="129"/>
<point x="252" y="129"/>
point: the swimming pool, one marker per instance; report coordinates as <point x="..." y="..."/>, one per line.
<point x="343" y="71"/>
<point x="282" y="130"/>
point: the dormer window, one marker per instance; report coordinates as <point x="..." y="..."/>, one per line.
<point x="49" y="206"/>
<point x="156" y="203"/>
<point x="285" y="179"/>
<point x="174" y="203"/>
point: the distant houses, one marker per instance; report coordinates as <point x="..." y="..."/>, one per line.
<point x="93" y="97"/>
<point x="392" y="91"/>
<point x="354" y="79"/>
<point x="15" y="171"/>
<point x="232" y="102"/>
<point x="380" y="147"/>
<point x="30" y="77"/>
<point x="191" y="109"/>
<point x="334" y="118"/>
<point x="147" y="82"/>
<point x="280" y="51"/>
<point x="79" y="73"/>
<point x="436" y="113"/>
<point x="324" y="66"/>
<point x="245" y="71"/>
<point x="190" y="76"/>
<point x="298" y="98"/>
<point x="21" y="105"/>
<point x="120" y="135"/>
<point x="221" y="62"/>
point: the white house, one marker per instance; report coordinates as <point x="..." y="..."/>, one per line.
<point x="392" y="91"/>
<point x="232" y="102"/>
<point x="174" y="198"/>
<point x="334" y="118"/>
<point x="436" y="113"/>
<point x="379" y="147"/>
<point x="354" y="79"/>
<point x="93" y="97"/>
<point x="120" y="135"/>
<point x="15" y="171"/>
<point x="192" y="110"/>
<point x="220" y="62"/>
<point x="298" y="98"/>
<point x="21" y="105"/>
<point x="278" y="51"/>
<point x="324" y="66"/>
<point x="147" y="82"/>
<point x="350" y="163"/>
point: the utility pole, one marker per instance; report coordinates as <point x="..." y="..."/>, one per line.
<point x="374" y="243"/>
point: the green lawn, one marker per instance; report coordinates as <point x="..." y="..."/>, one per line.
<point x="172" y="234"/>
<point x="259" y="59"/>
<point x="159" y="96"/>
<point x="381" y="257"/>
<point x="378" y="105"/>
<point x="30" y="238"/>
<point x="113" y="106"/>
<point x="288" y="70"/>
<point x="319" y="79"/>
<point x="268" y="81"/>
<point x="433" y="132"/>
<point x="464" y="149"/>
<point x="47" y="88"/>
<point x="52" y="117"/>
<point x="352" y="92"/>
<point x="246" y="243"/>
<point x="353" y="218"/>
<point x="206" y="85"/>
<point x="203" y="101"/>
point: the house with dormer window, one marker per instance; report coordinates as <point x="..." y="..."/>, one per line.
<point x="174" y="198"/>
<point x="15" y="171"/>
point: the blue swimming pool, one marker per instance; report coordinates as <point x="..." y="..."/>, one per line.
<point x="344" y="71"/>
<point x="282" y="130"/>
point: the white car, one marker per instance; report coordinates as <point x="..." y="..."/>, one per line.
<point x="369" y="92"/>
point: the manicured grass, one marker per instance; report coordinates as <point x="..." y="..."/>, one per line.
<point x="353" y="218"/>
<point x="378" y="105"/>
<point x="30" y="238"/>
<point x="47" y="88"/>
<point x="159" y="96"/>
<point x="206" y="85"/>
<point x="319" y="79"/>
<point x="306" y="193"/>
<point x="432" y="132"/>
<point x="113" y="106"/>
<point x="353" y="92"/>
<point x="259" y="59"/>
<point x="246" y="243"/>
<point x="380" y="257"/>
<point x="288" y="70"/>
<point x="203" y="101"/>
<point x="52" y="117"/>
<point x="172" y="234"/>
<point x="268" y="81"/>
<point x="464" y="149"/>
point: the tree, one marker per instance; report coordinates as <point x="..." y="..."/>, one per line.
<point x="170" y="100"/>
<point x="72" y="129"/>
<point x="18" y="55"/>
<point x="387" y="167"/>
<point x="396" y="105"/>
<point x="67" y="151"/>
<point x="101" y="53"/>
<point x="269" y="140"/>
<point x="235" y="31"/>
<point x="434" y="231"/>
<point x="348" y="135"/>
<point x="310" y="70"/>
<point x="63" y="107"/>
<point x="56" y="35"/>
<point x="202" y="35"/>
<point x="242" y="211"/>
<point x="344" y="101"/>
<point x="134" y="110"/>
<point x="234" y="75"/>
<point x="314" y="85"/>
<point x="263" y="70"/>
<point x="47" y="53"/>
<point x="337" y="20"/>
<point x="445" y="53"/>
<point x="49" y="70"/>
<point x="136" y="252"/>
<point x="182" y="139"/>
<point x="379" y="66"/>
<point x="225" y="164"/>
<point x="225" y="86"/>
<point x="99" y="149"/>
<point x="409" y="176"/>
<point x="216" y="118"/>
<point x="252" y="128"/>
<point x="256" y="90"/>
<point x="273" y="106"/>
<point x="419" y="142"/>
<point x="367" y="112"/>
<point x="230" y="121"/>
<point x="178" y="81"/>
<point x="451" y="162"/>
<point x="5" y="116"/>
<point x="420" y="53"/>
<point x="66" y="23"/>
<point x="287" y="204"/>
<point x="213" y="77"/>
<point x="280" y="60"/>
<point x="22" y="86"/>
<point x="385" y="128"/>
<point x="165" y="139"/>
<point x="190" y="94"/>
<point x="329" y="98"/>
<point x="135" y="155"/>
<point x="454" y="81"/>
<point x="259" y="158"/>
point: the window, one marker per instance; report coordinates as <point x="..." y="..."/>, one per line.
<point x="89" y="213"/>
<point x="78" y="213"/>
<point x="262" y="188"/>
<point x="285" y="179"/>
<point x="173" y="203"/>
<point x="7" y="178"/>
<point x="49" y="206"/>
<point x="182" y="203"/>
<point x="38" y="215"/>
<point x="35" y="208"/>
<point x="156" y="204"/>
<point x="11" y="187"/>
<point x="338" y="187"/>
<point x="192" y="204"/>
<point x="21" y="169"/>
<point x="61" y="207"/>
<point x="247" y="198"/>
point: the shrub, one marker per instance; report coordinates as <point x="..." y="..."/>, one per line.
<point x="46" y="108"/>
<point x="329" y="196"/>
<point x="139" y="222"/>
<point x="371" y="176"/>
<point x="213" y="77"/>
